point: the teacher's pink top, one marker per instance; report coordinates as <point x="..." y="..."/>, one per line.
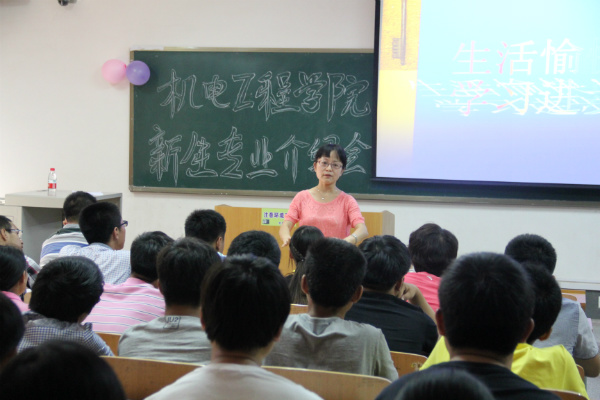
<point x="334" y="219"/>
<point x="17" y="300"/>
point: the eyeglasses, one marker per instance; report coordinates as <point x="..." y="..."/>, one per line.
<point x="124" y="223"/>
<point x="325" y="164"/>
<point x="15" y="230"/>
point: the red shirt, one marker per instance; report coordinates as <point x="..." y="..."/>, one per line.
<point x="428" y="284"/>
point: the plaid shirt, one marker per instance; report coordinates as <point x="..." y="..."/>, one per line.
<point x="39" y="329"/>
<point x="114" y="264"/>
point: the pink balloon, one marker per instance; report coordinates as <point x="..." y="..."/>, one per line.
<point x="114" y="70"/>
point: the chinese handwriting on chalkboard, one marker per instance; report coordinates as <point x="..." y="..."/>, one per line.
<point x="523" y="77"/>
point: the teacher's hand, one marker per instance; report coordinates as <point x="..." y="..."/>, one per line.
<point x="285" y="233"/>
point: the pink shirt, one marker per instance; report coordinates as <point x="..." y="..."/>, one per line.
<point x="334" y="219"/>
<point x="125" y="305"/>
<point x="428" y="284"/>
<point x="17" y="300"/>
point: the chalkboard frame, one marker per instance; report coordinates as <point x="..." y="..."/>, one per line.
<point x="392" y="190"/>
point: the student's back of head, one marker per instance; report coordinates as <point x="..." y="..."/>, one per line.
<point x="387" y="262"/>
<point x="548" y="300"/>
<point x="300" y="242"/>
<point x="182" y="266"/>
<point x="334" y="272"/>
<point x="447" y="384"/>
<point x="66" y="288"/>
<point x="532" y="248"/>
<point x="11" y="330"/>
<point x="12" y="267"/>
<point x="75" y="203"/>
<point x="59" y="370"/>
<point x="259" y="243"/>
<point x="206" y="225"/>
<point x="144" y="252"/>
<point x="432" y="249"/>
<point x="486" y="302"/>
<point x="245" y="302"/>
<point x="98" y="221"/>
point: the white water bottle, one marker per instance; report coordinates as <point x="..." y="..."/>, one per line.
<point x="52" y="182"/>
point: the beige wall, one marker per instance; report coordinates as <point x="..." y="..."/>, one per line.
<point x="57" y="111"/>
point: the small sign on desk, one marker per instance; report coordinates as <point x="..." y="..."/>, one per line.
<point x="272" y="216"/>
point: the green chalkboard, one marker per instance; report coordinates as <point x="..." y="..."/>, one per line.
<point x="249" y="121"/>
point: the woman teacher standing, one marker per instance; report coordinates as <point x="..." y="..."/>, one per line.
<point x="325" y="206"/>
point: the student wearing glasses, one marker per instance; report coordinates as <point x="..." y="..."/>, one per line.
<point x="104" y="230"/>
<point x="325" y="206"/>
<point x="10" y="235"/>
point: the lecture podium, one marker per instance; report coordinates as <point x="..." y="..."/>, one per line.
<point x="40" y="215"/>
<point x="242" y="219"/>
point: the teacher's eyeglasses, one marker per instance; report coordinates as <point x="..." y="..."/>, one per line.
<point x="325" y="164"/>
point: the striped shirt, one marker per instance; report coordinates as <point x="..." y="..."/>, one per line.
<point x="125" y="305"/>
<point x="70" y="234"/>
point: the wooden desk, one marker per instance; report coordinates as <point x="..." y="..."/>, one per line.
<point x="40" y="215"/>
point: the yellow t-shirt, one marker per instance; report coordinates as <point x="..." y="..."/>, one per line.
<point x="548" y="368"/>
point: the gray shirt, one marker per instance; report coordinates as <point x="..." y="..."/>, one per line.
<point x="169" y="338"/>
<point x="332" y="344"/>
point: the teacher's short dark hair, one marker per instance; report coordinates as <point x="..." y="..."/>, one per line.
<point x="326" y="149"/>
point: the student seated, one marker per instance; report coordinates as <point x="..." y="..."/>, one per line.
<point x="137" y="299"/>
<point x="11" y="330"/>
<point x="571" y="328"/>
<point x="105" y="231"/>
<point x="550" y="367"/>
<point x="301" y="240"/>
<point x="245" y="302"/>
<point x="322" y="339"/>
<point x="10" y="236"/>
<point x="178" y="336"/>
<point x="431" y="249"/>
<point x="486" y="304"/>
<point x="70" y="233"/>
<point x="443" y="384"/>
<point x="407" y="328"/>
<point x="13" y="275"/>
<point x="259" y="243"/>
<point x="64" y="293"/>
<point x="209" y="226"/>
<point x="58" y="369"/>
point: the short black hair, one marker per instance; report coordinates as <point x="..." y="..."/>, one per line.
<point x="207" y="225"/>
<point x="300" y="242"/>
<point x="486" y="301"/>
<point x="548" y="299"/>
<point x="182" y="266"/>
<point x="11" y="328"/>
<point x="533" y="248"/>
<point x="259" y="243"/>
<point x="144" y="251"/>
<point x="60" y="369"/>
<point x="12" y="266"/>
<point x="66" y="288"/>
<point x="98" y="221"/>
<point x="326" y="149"/>
<point x="443" y="383"/>
<point x="387" y="262"/>
<point x="432" y="249"/>
<point x="334" y="271"/>
<point x="245" y="302"/>
<point x="5" y="222"/>
<point x="74" y="203"/>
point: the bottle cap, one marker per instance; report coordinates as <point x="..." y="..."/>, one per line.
<point x="51" y="169"/>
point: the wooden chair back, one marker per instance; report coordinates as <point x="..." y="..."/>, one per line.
<point x="141" y="378"/>
<point x="567" y="395"/>
<point x="334" y="385"/>
<point x="406" y="363"/>
<point x="570" y="297"/>
<point x="112" y="340"/>
<point x="299" y="309"/>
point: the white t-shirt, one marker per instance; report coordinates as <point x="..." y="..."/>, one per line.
<point x="233" y="381"/>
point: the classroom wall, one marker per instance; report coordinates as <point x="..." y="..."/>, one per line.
<point x="57" y="111"/>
